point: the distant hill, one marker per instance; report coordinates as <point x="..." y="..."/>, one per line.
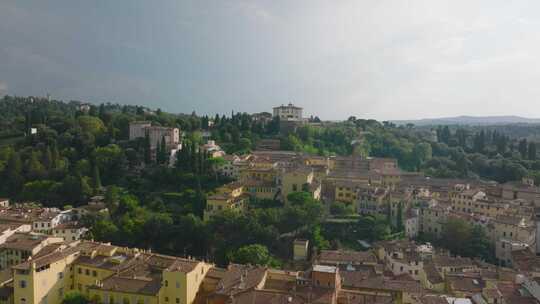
<point x="470" y="120"/>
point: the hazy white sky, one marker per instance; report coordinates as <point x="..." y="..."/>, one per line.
<point x="383" y="59"/>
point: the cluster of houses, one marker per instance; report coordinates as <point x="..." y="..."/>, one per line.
<point x="397" y="271"/>
<point x="43" y="255"/>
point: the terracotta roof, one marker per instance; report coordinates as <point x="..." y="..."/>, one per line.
<point x="465" y="284"/>
<point x="347" y="257"/>
<point x="432" y="275"/>
<point x="24" y="241"/>
<point x="433" y="299"/>
<point x="147" y="286"/>
<point x="240" y="277"/>
<point x="385" y="283"/>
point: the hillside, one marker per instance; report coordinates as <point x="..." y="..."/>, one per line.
<point x="471" y="120"/>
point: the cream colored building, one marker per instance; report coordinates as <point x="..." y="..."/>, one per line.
<point x="20" y="246"/>
<point x="228" y="197"/>
<point x="300" y="250"/>
<point x="288" y="112"/>
<point x="108" y="274"/>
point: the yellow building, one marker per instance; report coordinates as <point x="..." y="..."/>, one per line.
<point x="267" y="174"/>
<point x="108" y="274"/>
<point x="227" y="197"/>
<point x="299" y="179"/>
<point x="300" y="250"/>
<point x="464" y="201"/>
<point x="489" y="207"/>
<point x="20" y="246"/>
<point x="261" y="189"/>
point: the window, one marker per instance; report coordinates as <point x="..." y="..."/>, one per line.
<point x="60" y="275"/>
<point x="87" y="272"/>
<point x="80" y="270"/>
<point x="166" y="299"/>
<point x="166" y="283"/>
<point x="177" y="300"/>
<point x="22" y="284"/>
<point x="94" y="273"/>
<point x="177" y="284"/>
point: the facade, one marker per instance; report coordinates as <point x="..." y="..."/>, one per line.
<point x="70" y="231"/>
<point x="20" y="246"/>
<point x="108" y="274"/>
<point x="213" y="149"/>
<point x="300" y="250"/>
<point x="288" y="112"/>
<point x="299" y="179"/>
<point x="139" y="129"/>
<point x="227" y="197"/>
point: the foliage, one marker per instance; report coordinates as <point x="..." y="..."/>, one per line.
<point x="254" y="254"/>
<point x="75" y="297"/>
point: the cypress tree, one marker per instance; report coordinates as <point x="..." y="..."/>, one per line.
<point x="147" y="149"/>
<point x="532" y="151"/>
<point x="13" y="174"/>
<point x="399" y="219"/>
<point x="47" y="158"/>
<point x="55" y="155"/>
<point x="522" y="148"/>
<point x="163" y="150"/>
<point x="96" y="178"/>
<point x="193" y="158"/>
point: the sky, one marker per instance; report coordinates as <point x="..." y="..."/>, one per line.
<point x="381" y="59"/>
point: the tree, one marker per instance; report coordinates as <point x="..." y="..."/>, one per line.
<point x="399" y="218"/>
<point x="421" y="153"/>
<point x="532" y="151"/>
<point x="47" y="159"/>
<point x="33" y="167"/>
<point x="96" y="178"/>
<point x="456" y="232"/>
<point x="13" y="174"/>
<point x="147" y="149"/>
<point x="479" y="143"/>
<point x="244" y="144"/>
<point x="522" y="148"/>
<point x="373" y="228"/>
<point x="340" y="208"/>
<point x="75" y="297"/>
<point x="92" y="125"/>
<point x="254" y="254"/>
<point x="112" y="197"/>
<point x="163" y="151"/>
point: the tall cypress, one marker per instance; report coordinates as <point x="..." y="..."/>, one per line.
<point x="96" y="178"/>
<point x="532" y="151"/>
<point x="147" y="149"/>
<point x="163" y="150"/>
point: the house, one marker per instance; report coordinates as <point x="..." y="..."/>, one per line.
<point x="20" y="246"/>
<point x="300" y="250"/>
<point x="288" y="112"/>
<point x="228" y="197"/>
<point x="108" y="274"/>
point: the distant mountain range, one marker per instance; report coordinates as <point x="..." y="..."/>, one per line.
<point x="470" y="120"/>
